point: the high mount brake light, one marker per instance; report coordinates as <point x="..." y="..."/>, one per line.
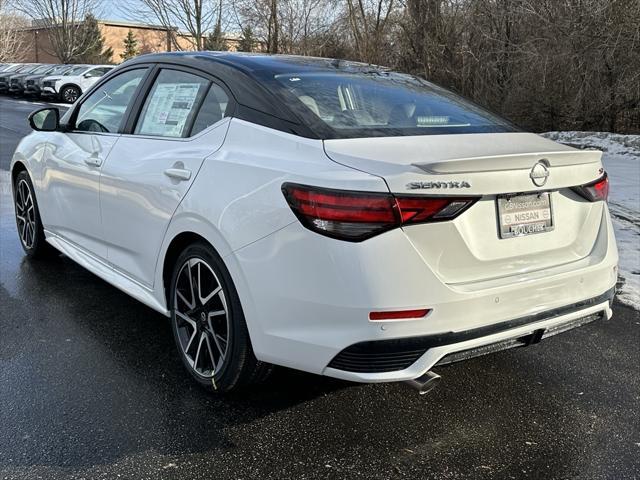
<point x="594" y="191"/>
<point x="356" y="216"/>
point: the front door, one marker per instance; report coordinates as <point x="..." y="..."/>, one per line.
<point x="71" y="178"/>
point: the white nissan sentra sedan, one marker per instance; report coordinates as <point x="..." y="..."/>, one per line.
<point x="324" y="215"/>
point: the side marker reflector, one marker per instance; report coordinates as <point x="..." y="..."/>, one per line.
<point x="398" y="315"/>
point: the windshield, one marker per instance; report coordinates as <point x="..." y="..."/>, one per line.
<point x="378" y="103"/>
<point x="42" y="69"/>
<point x="60" y="69"/>
<point x="76" y="70"/>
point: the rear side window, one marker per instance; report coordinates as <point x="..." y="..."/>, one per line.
<point x="213" y="109"/>
<point x="171" y="104"/>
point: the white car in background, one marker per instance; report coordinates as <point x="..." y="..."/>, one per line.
<point x="324" y="215"/>
<point x="75" y="82"/>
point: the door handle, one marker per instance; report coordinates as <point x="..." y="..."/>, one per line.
<point x="178" y="173"/>
<point x="93" y="161"/>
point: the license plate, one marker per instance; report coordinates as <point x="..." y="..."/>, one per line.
<point x="524" y="214"/>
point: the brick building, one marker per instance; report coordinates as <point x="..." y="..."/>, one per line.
<point x="151" y="38"/>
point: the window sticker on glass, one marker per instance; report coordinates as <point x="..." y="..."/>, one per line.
<point x="168" y="109"/>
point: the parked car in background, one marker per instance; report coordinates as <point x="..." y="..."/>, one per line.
<point x="7" y="67"/>
<point x="33" y="82"/>
<point x="6" y="75"/>
<point x="17" y="81"/>
<point x="69" y="87"/>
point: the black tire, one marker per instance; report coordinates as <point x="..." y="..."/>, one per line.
<point x="28" y="223"/>
<point x="70" y="93"/>
<point x="198" y="272"/>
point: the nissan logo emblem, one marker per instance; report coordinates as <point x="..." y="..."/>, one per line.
<point x="539" y="174"/>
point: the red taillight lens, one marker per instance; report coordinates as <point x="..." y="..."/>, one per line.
<point x="594" y="191"/>
<point x="356" y="216"/>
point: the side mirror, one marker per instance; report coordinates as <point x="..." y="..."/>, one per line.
<point x="86" y="75"/>
<point x="45" y="120"/>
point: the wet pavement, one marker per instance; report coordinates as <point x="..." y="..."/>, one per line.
<point x="91" y="387"/>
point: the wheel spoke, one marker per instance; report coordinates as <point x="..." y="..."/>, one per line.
<point x="190" y="342"/>
<point x="186" y="319"/>
<point x="20" y="199"/>
<point x="213" y="362"/>
<point x="25" y="234"/>
<point x="192" y="286"/>
<point x="184" y="299"/>
<point x="217" y="339"/>
<point x="195" y="359"/>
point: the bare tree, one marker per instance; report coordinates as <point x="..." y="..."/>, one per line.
<point x="12" y="38"/>
<point x="369" y="21"/>
<point x="187" y="22"/>
<point x="307" y="26"/>
<point x="63" y="21"/>
<point x="260" y="16"/>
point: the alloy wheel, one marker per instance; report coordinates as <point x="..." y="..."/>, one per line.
<point x="70" y="95"/>
<point x="25" y="214"/>
<point x="202" y="317"/>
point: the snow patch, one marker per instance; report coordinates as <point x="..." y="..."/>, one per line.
<point x="621" y="159"/>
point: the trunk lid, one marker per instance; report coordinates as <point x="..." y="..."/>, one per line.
<point x="470" y="249"/>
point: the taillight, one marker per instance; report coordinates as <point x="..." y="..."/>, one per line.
<point x="594" y="191"/>
<point x="356" y="216"/>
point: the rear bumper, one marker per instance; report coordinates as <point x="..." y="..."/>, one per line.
<point x="307" y="299"/>
<point x="409" y="358"/>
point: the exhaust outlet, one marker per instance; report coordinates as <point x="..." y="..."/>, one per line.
<point x="424" y="383"/>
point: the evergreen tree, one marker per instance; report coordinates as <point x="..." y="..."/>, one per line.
<point x="92" y="43"/>
<point x="247" y="40"/>
<point x="215" y="40"/>
<point x="130" y="46"/>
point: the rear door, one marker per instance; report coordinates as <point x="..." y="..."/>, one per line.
<point x="149" y="171"/>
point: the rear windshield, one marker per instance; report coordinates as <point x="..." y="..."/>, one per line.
<point x="351" y="105"/>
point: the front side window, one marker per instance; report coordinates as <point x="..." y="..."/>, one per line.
<point x="171" y="104"/>
<point x="378" y="103"/>
<point x="104" y="109"/>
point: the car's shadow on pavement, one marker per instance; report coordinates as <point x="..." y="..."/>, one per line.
<point x="102" y="366"/>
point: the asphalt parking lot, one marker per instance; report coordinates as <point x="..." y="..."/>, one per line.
<point x="90" y="387"/>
